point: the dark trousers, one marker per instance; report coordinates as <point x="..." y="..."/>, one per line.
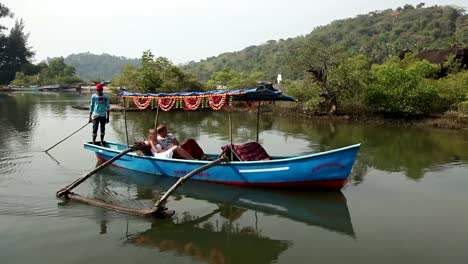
<point x="99" y="121"/>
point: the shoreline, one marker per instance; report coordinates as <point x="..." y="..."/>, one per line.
<point x="449" y="120"/>
<point x="113" y="108"/>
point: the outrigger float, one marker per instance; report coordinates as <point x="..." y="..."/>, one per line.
<point x="329" y="169"/>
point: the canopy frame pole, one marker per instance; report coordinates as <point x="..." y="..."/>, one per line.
<point x="258" y="118"/>
<point x="157" y="115"/>
<point x="125" y="119"/>
<point x="230" y="132"/>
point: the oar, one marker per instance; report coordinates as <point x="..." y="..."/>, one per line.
<point x="68" y="136"/>
<point x="77" y="182"/>
<point x="159" y="207"/>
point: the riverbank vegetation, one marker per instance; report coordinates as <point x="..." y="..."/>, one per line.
<point x="53" y="71"/>
<point x="156" y="75"/>
<point x="399" y="87"/>
<point x="352" y="67"/>
<point x="16" y="56"/>
<point x="14" y="52"/>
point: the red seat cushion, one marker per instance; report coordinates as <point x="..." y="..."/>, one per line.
<point x="249" y="151"/>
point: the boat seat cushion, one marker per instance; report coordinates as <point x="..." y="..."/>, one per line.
<point x="251" y="151"/>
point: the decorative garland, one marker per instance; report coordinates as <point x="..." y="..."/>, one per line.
<point x="192" y="103"/>
<point x="166" y="103"/>
<point x="214" y="101"/>
<point x="217" y="101"/>
<point x="142" y="105"/>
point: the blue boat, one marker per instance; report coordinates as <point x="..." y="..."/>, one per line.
<point x="329" y="169"/>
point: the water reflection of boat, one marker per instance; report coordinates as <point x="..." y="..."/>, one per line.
<point x="328" y="210"/>
<point x="206" y="244"/>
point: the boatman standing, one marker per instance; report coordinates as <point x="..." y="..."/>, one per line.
<point x="99" y="110"/>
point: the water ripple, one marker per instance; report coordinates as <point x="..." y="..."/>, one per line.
<point x="50" y="207"/>
<point x="12" y="164"/>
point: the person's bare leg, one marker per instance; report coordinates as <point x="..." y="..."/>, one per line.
<point x="183" y="153"/>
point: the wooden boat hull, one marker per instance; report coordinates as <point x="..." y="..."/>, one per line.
<point x="328" y="169"/>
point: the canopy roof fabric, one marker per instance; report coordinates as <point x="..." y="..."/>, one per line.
<point x="212" y="99"/>
<point x="260" y="93"/>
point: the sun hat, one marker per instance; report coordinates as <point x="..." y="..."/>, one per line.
<point x="99" y="86"/>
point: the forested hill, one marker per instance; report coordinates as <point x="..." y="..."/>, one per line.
<point x="376" y="34"/>
<point x="98" y="67"/>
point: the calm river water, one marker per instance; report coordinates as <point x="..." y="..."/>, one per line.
<point x="406" y="201"/>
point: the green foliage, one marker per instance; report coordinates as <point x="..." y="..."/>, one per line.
<point x="156" y="75"/>
<point x="174" y="79"/>
<point x="99" y="67"/>
<point x="351" y="78"/>
<point x="4" y="12"/>
<point x="307" y="92"/>
<point x="55" y="71"/>
<point x="377" y="35"/>
<point x="129" y="77"/>
<point x="401" y="88"/>
<point x="453" y="89"/>
<point x="463" y="107"/>
<point x="453" y="65"/>
<point x="227" y="79"/>
<point x="151" y="70"/>
<point x="14" y="51"/>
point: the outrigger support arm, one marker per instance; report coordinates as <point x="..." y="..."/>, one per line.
<point x="159" y="207"/>
<point x="67" y="189"/>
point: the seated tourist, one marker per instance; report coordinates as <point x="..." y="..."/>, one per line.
<point x="162" y="150"/>
<point x="168" y="140"/>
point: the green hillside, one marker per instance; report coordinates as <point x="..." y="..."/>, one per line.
<point x="377" y="35"/>
<point x="98" y="67"/>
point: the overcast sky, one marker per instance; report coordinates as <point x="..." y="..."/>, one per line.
<point x="181" y="30"/>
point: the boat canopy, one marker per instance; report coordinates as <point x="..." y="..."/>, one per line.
<point x="214" y="99"/>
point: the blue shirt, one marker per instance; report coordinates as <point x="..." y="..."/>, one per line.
<point x="99" y="105"/>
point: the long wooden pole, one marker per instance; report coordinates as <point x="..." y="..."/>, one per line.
<point x="159" y="205"/>
<point x="68" y="136"/>
<point x="77" y="182"/>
